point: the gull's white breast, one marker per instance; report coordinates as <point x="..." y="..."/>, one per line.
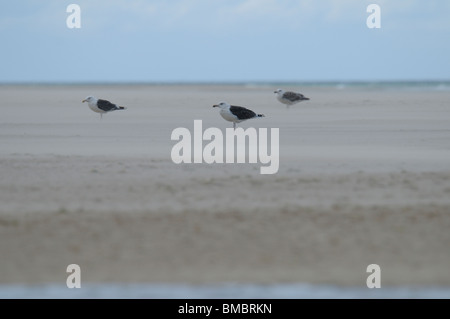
<point x="94" y="108"/>
<point x="227" y="115"/>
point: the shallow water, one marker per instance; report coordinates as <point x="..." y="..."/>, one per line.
<point x="224" y="291"/>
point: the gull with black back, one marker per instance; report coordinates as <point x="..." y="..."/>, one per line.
<point x="236" y="114"/>
<point x="102" y="106"/>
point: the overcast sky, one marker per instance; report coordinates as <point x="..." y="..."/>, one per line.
<point x="224" y="40"/>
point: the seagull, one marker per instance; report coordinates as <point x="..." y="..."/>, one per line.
<point x="289" y="98"/>
<point x="236" y="114"/>
<point x="102" y="106"/>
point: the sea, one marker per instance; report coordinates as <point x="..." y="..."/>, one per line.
<point x="422" y="85"/>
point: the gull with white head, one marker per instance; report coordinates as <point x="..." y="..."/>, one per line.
<point x="102" y="106"/>
<point x="236" y="114"/>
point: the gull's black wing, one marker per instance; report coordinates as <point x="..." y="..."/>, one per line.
<point x="241" y="112"/>
<point x="106" y="105"/>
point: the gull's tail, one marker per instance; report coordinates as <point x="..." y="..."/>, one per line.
<point x="260" y="115"/>
<point x="122" y="108"/>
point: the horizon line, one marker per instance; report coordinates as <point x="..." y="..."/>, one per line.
<point x="258" y="82"/>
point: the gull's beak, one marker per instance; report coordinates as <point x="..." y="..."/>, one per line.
<point x="306" y="98"/>
<point x="275" y="92"/>
<point x="83" y="101"/>
<point x="215" y="105"/>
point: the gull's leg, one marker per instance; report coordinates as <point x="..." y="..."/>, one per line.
<point x="234" y="125"/>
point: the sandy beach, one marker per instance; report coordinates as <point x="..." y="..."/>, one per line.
<point x="364" y="178"/>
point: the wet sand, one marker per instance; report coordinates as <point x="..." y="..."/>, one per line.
<point x="364" y="178"/>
